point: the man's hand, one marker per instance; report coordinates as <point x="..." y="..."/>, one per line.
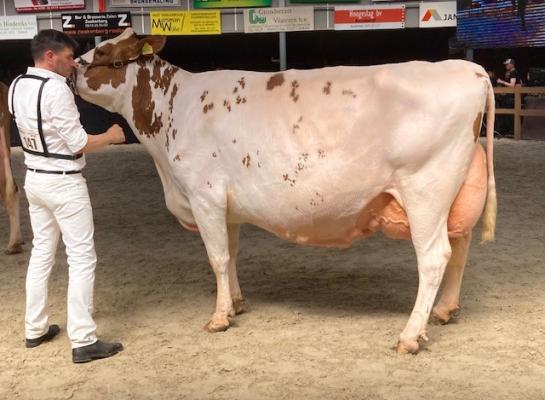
<point x="115" y="134"/>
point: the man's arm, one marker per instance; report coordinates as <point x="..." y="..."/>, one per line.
<point x="511" y="82"/>
<point x="113" y="135"/>
<point x="65" y="118"/>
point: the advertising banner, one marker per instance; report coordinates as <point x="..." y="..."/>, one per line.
<point x="18" y="27"/>
<point x="48" y="5"/>
<point x="185" y="22"/>
<point x="144" y="3"/>
<point x="437" y="15"/>
<point x="370" y="17"/>
<point x="230" y="3"/>
<point x="95" y="24"/>
<point x="283" y="19"/>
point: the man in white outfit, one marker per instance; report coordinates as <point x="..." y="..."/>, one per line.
<point x="54" y="142"/>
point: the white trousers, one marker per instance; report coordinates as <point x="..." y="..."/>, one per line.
<point x="60" y="204"/>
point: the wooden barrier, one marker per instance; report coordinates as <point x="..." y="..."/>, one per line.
<point x="518" y="111"/>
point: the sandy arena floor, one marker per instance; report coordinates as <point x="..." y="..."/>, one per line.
<point x="320" y="324"/>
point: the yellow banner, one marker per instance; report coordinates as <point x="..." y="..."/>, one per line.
<point x="185" y="22"/>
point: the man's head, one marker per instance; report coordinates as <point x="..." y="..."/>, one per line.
<point x="509" y="64"/>
<point x="54" y="51"/>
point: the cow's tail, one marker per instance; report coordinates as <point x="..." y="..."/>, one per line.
<point x="491" y="207"/>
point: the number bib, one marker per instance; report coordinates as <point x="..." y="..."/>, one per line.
<point x="30" y="140"/>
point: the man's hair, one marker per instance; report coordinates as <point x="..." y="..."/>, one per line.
<point x="50" y="39"/>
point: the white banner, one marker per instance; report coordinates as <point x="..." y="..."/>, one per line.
<point x="437" y="15"/>
<point x="47" y="5"/>
<point x="144" y="3"/>
<point x="18" y="27"/>
<point x="282" y="19"/>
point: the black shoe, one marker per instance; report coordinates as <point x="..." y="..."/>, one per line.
<point x="51" y="333"/>
<point x="95" y="351"/>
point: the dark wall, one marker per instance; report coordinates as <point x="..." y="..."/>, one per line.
<point x="260" y="52"/>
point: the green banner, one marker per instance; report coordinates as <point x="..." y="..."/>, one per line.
<point x="230" y="3"/>
<point x="324" y="1"/>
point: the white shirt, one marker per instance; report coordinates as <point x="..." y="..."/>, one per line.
<point x="61" y="126"/>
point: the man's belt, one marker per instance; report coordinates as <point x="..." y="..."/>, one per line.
<point x="43" y="171"/>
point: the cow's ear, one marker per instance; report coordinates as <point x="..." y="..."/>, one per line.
<point x="152" y="44"/>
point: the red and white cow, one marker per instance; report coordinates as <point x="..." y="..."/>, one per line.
<point x="9" y="194"/>
<point x="318" y="157"/>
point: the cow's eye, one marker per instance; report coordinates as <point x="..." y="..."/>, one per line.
<point x="99" y="52"/>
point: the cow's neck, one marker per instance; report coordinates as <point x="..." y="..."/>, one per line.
<point x="149" y="106"/>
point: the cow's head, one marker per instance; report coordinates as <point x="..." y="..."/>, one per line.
<point x="104" y="72"/>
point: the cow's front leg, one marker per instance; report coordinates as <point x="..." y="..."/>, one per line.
<point x="211" y="220"/>
<point x="236" y="294"/>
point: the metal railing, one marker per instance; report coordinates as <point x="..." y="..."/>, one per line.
<point x="518" y="111"/>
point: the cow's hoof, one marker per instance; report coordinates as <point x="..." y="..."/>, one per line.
<point x="238" y="306"/>
<point x="444" y="314"/>
<point x="217" y="324"/>
<point x="16" y="249"/>
<point x="407" y="347"/>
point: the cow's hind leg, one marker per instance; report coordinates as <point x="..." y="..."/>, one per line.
<point x="211" y="220"/>
<point x="236" y="294"/>
<point x="449" y="298"/>
<point x="428" y="221"/>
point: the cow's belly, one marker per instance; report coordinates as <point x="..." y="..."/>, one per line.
<point x="384" y="214"/>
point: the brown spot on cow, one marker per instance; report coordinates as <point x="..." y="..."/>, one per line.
<point x="167" y="143"/>
<point x="293" y="93"/>
<point x="275" y="80"/>
<point x="300" y="119"/>
<point x="239" y="99"/>
<point x="145" y="119"/>
<point x="209" y="184"/>
<point x="214" y="154"/>
<point x="242" y="83"/>
<point x="207" y="107"/>
<point x="321" y="154"/>
<point x="327" y="88"/>
<point x="234" y="140"/>
<point x="227" y="104"/>
<point x="174" y="133"/>
<point x="177" y="158"/>
<point x="98" y="76"/>
<point x="287" y="178"/>
<point x="104" y="57"/>
<point x="246" y="160"/>
<point x="235" y="89"/>
<point x="477" y="126"/>
<point x="243" y="100"/>
<point x="318" y="200"/>
<point x="162" y="80"/>
<point x="203" y="95"/>
<point x="172" y="95"/>
<point x="348" y="92"/>
<point x="295" y="127"/>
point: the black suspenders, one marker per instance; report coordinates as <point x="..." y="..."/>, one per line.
<point x="45" y="152"/>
